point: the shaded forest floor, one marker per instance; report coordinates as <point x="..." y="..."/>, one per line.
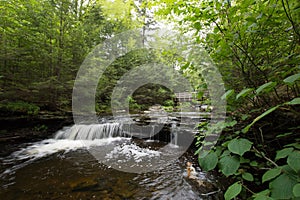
<point x="18" y="129"/>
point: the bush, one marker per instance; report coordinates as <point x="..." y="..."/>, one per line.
<point x="19" y="108"/>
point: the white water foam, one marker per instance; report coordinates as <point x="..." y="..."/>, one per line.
<point x="51" y="146"/>
<point x="107" y="139"/>
<point x="131" y="151"/>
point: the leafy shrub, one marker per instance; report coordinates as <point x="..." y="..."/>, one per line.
<point x="258" y="173"/>
<point x="40" y="128"/>
<point x="19" y="107"/>
<point x="133" y="105"/>
<point x="168" y="103"/>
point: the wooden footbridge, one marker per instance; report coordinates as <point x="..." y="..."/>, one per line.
<point x="192" y="98"/>
<point x="189" y="97"/>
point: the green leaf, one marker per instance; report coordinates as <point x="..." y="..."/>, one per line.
<point x="244" y="92"/>
<point x="239" y="146"/>
<point x="264" y="192"/>
<point x="228" y="94"/>
<point x="247" y="176"/>
<point x="283" y="153"/>
<point x="244" y="160"/>
<point x="251" y="19"/>
<point x="197" y="25"/>
<point x="246" y="129"/>
<point x="296" y="190"/>
<point x="270" y="174"/>
<point x="295" y="101"/>
<point x="284" y="134"/>
<point x="265" y="87"/>
<point x="225" y="153"/>
<point x="288" y="170"/>
<point x="229" y="165"/>
<point x="233" y="190"/>
<point x="253" y="164"/>
<point x="294" y="161"/>
<point x="291" y="79"/>
<point x="295" y="145"/>
<point x="244" y="117"/>
<point x="200" y="94"/>
<point x="282" y="187"/>
<point x="263" y="195"/>
<point x="208" y="162"/>
<point x="231" y="123"/>
<point x="203" y="153"/>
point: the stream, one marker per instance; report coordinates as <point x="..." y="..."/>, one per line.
<point x="67" y="166"/>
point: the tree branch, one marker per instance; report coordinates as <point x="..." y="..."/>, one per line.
<point x="290" y="18"/>
<point x="268" y="159"/>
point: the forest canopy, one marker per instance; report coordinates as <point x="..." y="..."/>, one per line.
<point x="254" y="44"/>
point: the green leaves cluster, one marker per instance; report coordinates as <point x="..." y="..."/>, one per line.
<point x="238" y="157"/>
<point x="283" y="180"/>
<point x="250" y="95"/>
<point x="229" y="160"/>
<point x="43" y="44"/>
<point x="18" y="108"/>
<point x="255" y="45"/>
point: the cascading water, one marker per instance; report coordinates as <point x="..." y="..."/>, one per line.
<point x="91" y="132"/>
<point x="174" y="134"/>
<point x="111" y="138"/>
<point x="62" y="167"/>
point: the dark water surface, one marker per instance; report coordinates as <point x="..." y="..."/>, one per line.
<point x="65" y="169"/>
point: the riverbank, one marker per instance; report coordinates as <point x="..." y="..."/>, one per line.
<point x="16" y="130"/>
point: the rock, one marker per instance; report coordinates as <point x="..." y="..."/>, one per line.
<point x="84" y="185"/>
<point x="203" y="186"/>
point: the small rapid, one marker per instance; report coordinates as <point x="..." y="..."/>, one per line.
<point x="67" y="166"/>
<point x="91" y="132"/>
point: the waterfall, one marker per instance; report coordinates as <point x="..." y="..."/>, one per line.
<point x="152" y="133"/>
<point x="91" y="132"/>
<point x="174" y="134"/>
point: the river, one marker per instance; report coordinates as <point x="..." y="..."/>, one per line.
<point x="65" y="167"/>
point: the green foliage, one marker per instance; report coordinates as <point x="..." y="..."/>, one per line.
<point x="283" y="153"/>
<point x="295" y="101"/>
<point x="40" y="128"/>
<point x="233" y="191"/>
<point x="228" y="94"/>
<point x="296" y="190"/>
<point x="246" y="129"/>
<point x="229" y="165"/>
<point x="282" y="187"/>
<point x="133" y="105"/>
<point x="168" y="103"/>
<point x="293" y="161"/>
<point x="244" y="93"/>
<point x="230" y="159"/>
<point x="208" y="161"/>
<point x="145" y="96"/>
<point x="19" y="108"/>
<point x="272" y="173"/>
<point x="239" y="146"/>
<point x="292" y="79"/>
<point x="247" y="176"/>
<point x="263" y="195"/>
<point x="267" y="87"/>
<point x="43" y="44"/>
